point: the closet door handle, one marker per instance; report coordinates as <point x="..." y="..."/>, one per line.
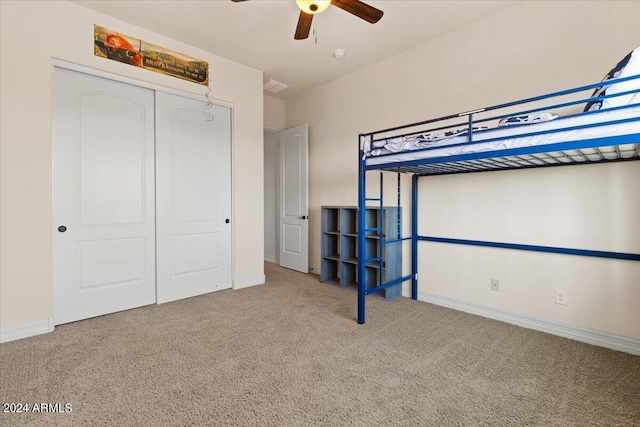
<point x="303" y="217"/>
<point x="62" y="228"/>
<point x="226" y="221"/>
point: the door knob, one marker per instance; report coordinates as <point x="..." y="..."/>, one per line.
<point x="62" y="229"/>
<point x="304" y="217"/>
<point x="226" y="221"/>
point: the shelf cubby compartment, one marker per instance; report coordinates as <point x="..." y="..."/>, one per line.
<point x="371" y="248"/>
<point x="349" y="248"/>
<point x="349" y="221"/>
<point x="331" y="220"/>
<point x="371" y="278"/>
<point x="330" y="270"/>
<point x="331" y="246"/>
<point x="372" y="220"/>
<point x="349" y="275"/>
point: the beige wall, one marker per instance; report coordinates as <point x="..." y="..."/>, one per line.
<point x="32" y="33"/>
<point x="273" y="112"/>
<point x="531" y="48"/>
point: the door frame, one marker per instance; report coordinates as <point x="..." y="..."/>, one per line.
<point x="276" y="131"/>
<point x="278" y="165"/>
<point x="61" y="63"/>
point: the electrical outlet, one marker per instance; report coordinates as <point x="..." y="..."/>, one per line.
<point x="495" y="285"/>
<point x="562" y="297"/>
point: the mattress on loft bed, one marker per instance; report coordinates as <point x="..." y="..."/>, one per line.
<point x="509" y="137"/>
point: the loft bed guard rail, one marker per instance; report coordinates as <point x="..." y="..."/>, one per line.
<point x="557" y="129"/>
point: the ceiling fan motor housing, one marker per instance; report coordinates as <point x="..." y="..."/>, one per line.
<point x="313" y="6"/>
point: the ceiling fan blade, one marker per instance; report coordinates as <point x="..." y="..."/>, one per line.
<point x="304" y="26"/>
<point x="237" y="1"/>
<point x="359" y="9"/>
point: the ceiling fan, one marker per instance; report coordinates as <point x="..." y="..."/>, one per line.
<point x="308" y="8"/>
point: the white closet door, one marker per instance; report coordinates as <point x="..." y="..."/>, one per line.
<point x="193" y="189"/>
<point x="103" y="196"/>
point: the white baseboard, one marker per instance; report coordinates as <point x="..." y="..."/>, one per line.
<point x="26" y="330"/>
<point x="271" y="259"/>
<point x="251" y="281"/>
<point x="314" y="270"/>
<point x="586" y="335"/>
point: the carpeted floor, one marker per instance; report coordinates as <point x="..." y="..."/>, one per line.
<point x="289" y="353"/>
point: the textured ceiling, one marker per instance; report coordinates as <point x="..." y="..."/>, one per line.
<point x="259" y="33"/>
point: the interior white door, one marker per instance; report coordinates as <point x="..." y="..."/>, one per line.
<point x="193" y="190"/>
<point x="103" y="196"/>
<point x="294" y="203"/>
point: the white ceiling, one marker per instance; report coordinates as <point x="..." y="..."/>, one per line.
<point x="259" y="33"/>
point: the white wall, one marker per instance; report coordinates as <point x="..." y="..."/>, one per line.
<point x="587" y="207"/>
<point x="32" y="33"/>
<point x="528" y="49"/>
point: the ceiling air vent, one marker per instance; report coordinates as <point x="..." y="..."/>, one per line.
<point x="273" y="86"/>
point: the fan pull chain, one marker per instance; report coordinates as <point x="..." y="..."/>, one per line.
<point x="315" y="33"/>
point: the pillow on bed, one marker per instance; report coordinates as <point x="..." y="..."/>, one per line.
<point x="527" y="119"/>
<point x="629" y="66"/>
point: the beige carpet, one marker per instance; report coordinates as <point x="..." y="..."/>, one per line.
<point x="290" y="353"/>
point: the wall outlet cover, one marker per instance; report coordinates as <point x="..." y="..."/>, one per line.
<point x="562" y="297"/>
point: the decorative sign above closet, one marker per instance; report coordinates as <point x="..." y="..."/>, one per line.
<point x="129" y="50"/>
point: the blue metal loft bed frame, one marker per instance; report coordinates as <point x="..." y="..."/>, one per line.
<point x="624" y="147"/>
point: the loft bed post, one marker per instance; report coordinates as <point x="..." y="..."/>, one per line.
<point x="381" y="232"/>
<point x="398" y="231"/>
<point x="361" y="229"/>
<point x="414" y="237"/>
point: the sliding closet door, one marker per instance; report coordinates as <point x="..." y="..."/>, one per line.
<point x="103" y="196"/>
<point x="193" y="189"/>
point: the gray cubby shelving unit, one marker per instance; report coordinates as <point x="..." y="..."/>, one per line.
<point x="339" y="264"/>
